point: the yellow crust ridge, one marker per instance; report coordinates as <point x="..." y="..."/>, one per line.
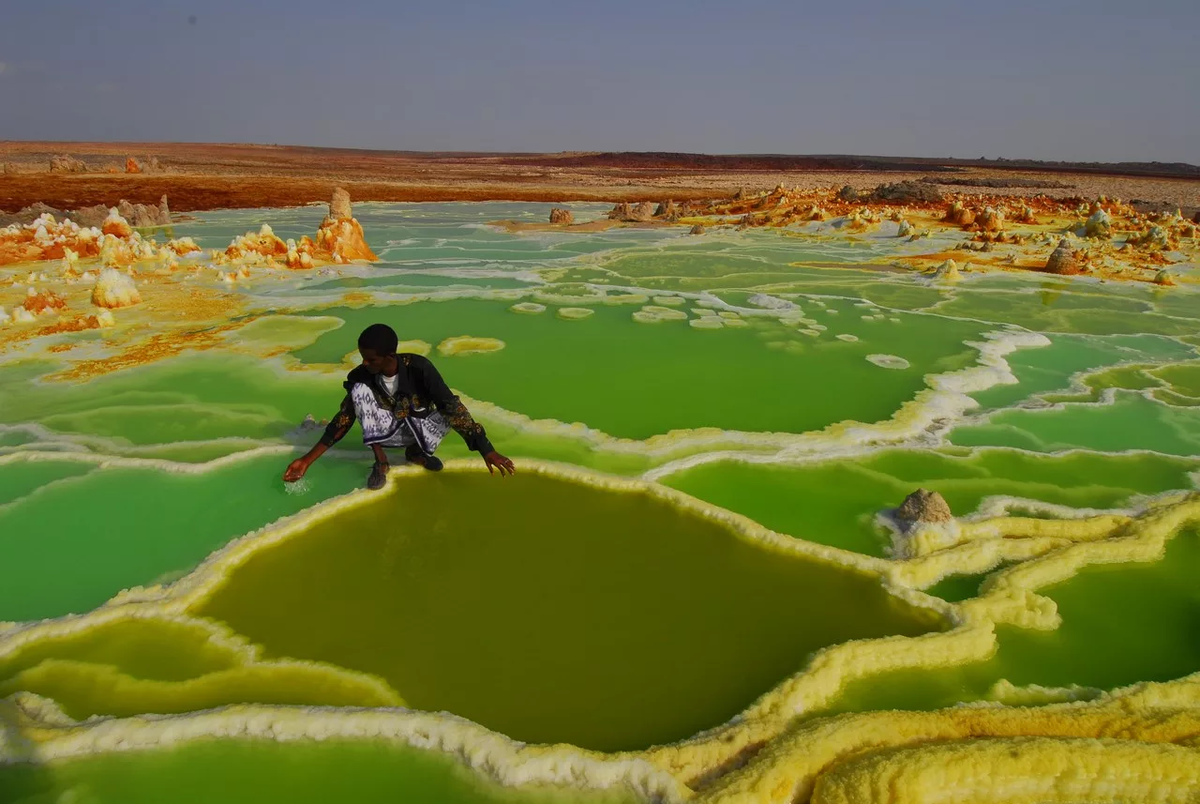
<point x="1147" y="734"/>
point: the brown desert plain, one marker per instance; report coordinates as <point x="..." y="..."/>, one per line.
<point x="217" y="176"/>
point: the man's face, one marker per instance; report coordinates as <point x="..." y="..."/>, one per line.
<point x="374" y="361"/>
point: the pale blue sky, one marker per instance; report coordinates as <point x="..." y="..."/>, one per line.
<point x="1095" y="80"/>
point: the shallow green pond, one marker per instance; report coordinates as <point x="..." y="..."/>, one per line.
<point x="550" y="611"/>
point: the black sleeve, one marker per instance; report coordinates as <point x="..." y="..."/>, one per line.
<point x="340" y="424"/>
<point x="448" y="404"/>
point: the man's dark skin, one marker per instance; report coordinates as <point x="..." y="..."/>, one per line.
<point x="388" y="365"/>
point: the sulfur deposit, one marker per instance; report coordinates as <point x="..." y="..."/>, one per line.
<point x="339" y="240"/>
<point x="255" y="248"/>
<point x="114" y="289"/>
<point x="468" y="345"/>
<point x="341" y="236"/>
<point x="1064" y="260"/>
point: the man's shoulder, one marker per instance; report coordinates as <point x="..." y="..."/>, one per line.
<point x="357" y="374"/>
<point x="414" y="361"/>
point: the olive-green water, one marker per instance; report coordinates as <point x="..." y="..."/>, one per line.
<point x="545" y="609"/>
<point x="552" y="612"/>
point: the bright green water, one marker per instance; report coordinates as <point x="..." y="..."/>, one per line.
<point x="408" y="280"/>
<point x="234" y="772"/>
<point x="836" y="502"/>
<point x="1051" y="368"/>
<point x="1089" y="314"/>
<point x="1131" y="422"/>
<point x="1184" y="380"/>
<point x="1121" y="624"/>
<point x="643" y="379"/>
<point x="195" y="397"/>
<point x="549" y="611"/>
<point x="17" y="480"/>
<point x="80" y="541"/>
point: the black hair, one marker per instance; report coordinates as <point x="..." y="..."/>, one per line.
<point x="380" y="339"/>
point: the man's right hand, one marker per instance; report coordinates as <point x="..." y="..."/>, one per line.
<point x="295" y="470"/>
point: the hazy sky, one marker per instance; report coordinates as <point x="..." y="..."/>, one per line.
<point x="1051" y="79"/>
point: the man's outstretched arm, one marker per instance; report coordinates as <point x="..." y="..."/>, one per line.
<point x="337" y="428"/>
<point x="456" y="413"/>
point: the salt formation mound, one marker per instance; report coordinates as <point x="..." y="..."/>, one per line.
<point x="924" y="506"/>
<point x="297" y="258"/>
<point x="132" y="166"/>
<point x="991" y="220"/>
<point x="1063" y="260"/>
<point x="339" y="239"/>
<point x="44" y="302"/>
<point x="146" y="215"/>
<point x="47" y="239"/>
<point x="861" y="220"/>
<point x="620" y="211"/>
<point x="959" y="214"/>
<point x="905" y="229"/>
<point x="698" y="229"/>
<point x="116" y="225"/>
<point x="251" y="247"/>
<point x="947" y="272"/>
<point x="667" y="210"/>
<point x="340" y="235"/>
<point x="138" y="215"/>
<point x="339" y="205"/>
<point x="905" y="192"/>
<point x="66" y="164"/>
<point x="1154" y="237"/>
<point x="182" y="246"/>
<point x="1099" y="225"/>
<point x="114" y="289"/>
<point x="1025" y="214"/>
<point x="563" y="216"/>
<point x="643" y="211"/>
<point x="624" y="212"/>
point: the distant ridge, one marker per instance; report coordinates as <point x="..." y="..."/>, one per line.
<point x="661" y="160"/>
<point x="775" y="162"/>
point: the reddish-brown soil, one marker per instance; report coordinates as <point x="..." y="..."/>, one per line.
<point x="200" y="176"/>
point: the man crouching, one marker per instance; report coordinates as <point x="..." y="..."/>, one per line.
<point x="401" y="401"/>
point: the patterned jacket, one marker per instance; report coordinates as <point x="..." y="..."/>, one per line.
<point x="420" y="391"/>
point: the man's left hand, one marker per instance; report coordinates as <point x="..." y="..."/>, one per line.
<point x="495" y="460"/>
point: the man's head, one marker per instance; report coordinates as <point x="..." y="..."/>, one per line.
<point x="377" y="344"/>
